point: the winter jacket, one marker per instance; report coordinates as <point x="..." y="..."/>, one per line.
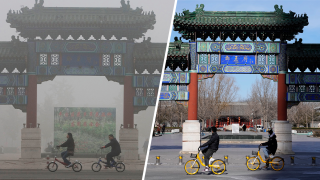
<point x="69" y="144"/>
<point x="115" y="146"/>
<point x="213" y="142"/>
<point x="271" y="143"/>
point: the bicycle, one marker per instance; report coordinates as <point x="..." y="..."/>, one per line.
<point x="192" y="166"/>
<point x="119" y="166"/>
<point x="53" y="166"/>
<point x="253" y="163"/>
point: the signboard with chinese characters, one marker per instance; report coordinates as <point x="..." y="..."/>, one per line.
<point x="90" y="127"/>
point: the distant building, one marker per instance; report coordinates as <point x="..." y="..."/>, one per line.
<point x="236" y="113"/>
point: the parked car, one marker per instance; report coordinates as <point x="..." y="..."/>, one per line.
<point x="259" y="127"/>
<point x="220" y="129"/>
<point x="250" y="129"/>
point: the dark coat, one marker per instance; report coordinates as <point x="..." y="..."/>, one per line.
<point x="115" y="146"/>
<point x="272" y="144"/>
<point x="213" y="142"/>
<point x="244" y="127"/>
<point x="69" y="144"/>
<point x="163" y="127"/>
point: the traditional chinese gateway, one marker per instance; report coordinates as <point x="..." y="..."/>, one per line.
<point x="40" y="59"/>
<point x="188" y="63"/>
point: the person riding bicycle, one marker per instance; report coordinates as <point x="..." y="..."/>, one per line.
<point x="115" y="150"/>
<point x="271" y="147"/>
<point x="70" y="149"/>
<point x="213" y="146"/>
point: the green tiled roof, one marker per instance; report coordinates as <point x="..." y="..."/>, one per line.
<point x="239" y="23"/>
<point x="9" y="51"/>
<point x="303" y="56"/>
<point x="39" y="21"/>
<point x="173" y="51"/>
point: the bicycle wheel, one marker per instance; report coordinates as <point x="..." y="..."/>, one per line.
<point x="96" y="167"/>
<point x="253" y="163"/>
<point x="192" y="167"/>
<point x="52" y="167"/>
<point x="277" y="163"/>
<point x="218" y="167"/>
<point x="77" y="167"/>
<point x="120" y="167"/>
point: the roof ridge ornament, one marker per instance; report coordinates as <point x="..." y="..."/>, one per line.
<point x="177" y="43"/>
<point x="40" y="4"/>
<point x="199" y="10"/>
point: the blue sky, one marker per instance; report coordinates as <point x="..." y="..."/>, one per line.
<point x="310" y="35"/>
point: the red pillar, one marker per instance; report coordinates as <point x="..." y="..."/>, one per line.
<point x="193" y="97"/>
<point x="32" y="102"/>
<point x="282" y="100"/>
<point x="228" y="121"/>
<point x="128" y="110"/>
<point x="239" y="121"/>
<point x="217" y="123"/>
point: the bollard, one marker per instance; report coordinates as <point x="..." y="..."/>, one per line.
<point x="226" y="159"/>
<point x="313" y="161"/>
<point x="157" y="160"/>
<point x="247" y="158"/>
<point x="292" y="160"/>
<point x="180" y="160"/>
<point x="47" y="161"/>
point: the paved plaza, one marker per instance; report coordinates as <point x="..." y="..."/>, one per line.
<point x="169" y="146"/>
<point x="70" y="175"/>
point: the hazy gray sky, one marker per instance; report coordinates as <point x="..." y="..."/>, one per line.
<point x="87" y="91"/>
<point x="162" y="8"/>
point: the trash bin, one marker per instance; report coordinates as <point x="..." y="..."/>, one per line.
<point x="264" y="130"/>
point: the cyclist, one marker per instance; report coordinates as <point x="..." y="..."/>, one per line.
<point x="115" y="150"/>
<point x="70" y="149"/>
<point x="213" y="146"/>
<point x="271" y="147"/>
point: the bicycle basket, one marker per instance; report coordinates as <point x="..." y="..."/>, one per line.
<point x="255" y="153"/>
<point x="193" y="155"/>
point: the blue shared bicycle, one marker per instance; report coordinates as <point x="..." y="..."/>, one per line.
<point x="119" y="166"/>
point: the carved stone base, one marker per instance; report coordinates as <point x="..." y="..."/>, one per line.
<point x="128" y="139"/>
<point x="190" y="136"/>
<point x="30" y="143"/>
<point x="283" y="131"/>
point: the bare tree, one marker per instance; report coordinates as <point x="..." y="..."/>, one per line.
<point x="263" y="100"/>
<point x="216" y="94"/>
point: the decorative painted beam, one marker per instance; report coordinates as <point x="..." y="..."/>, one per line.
<point x="176" y="78"/>
<point x="81" y="47"/>
<point x="239" y="47"/>
<point x="174" y="95"/>
<point x="144" y="101"/>
<point x="174" y="87"/>
<point x="13" y="80"/>
<point x="303" y="97"/>
<point x="146" y="81"/>
<point x="13" y="99"/>
<point x="238" y="69"/>
<point x="303" y="78"/>
<point x="271" y="77"/>
<point x="80" y="71"/>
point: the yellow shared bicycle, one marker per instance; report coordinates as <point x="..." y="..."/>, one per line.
<point x="192" y="166"/>
<point x="253" y="163"/>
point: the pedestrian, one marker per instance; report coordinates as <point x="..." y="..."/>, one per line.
<point x="115" y="150"/>
<point x="163" y="128"/>
<point x="213" y="146"/>
<point x="70" y="149"/>
<point x="244" y="127"/>
<point x="158" y="129"/>
<point x="271" y="147"/>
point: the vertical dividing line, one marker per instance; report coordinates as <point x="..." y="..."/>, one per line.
<point x="159" y="91"/>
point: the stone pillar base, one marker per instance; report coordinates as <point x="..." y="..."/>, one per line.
<point x="128" y="139"/>
<point x="282" y="129"/>
<point x="30" y="143"/>
<point x="190" y="136"/>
